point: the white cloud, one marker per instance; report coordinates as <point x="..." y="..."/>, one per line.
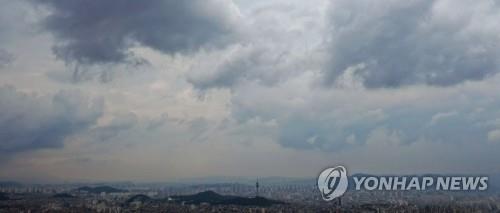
<point x="441" y="116"/>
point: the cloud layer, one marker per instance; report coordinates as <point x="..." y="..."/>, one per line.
<point x="265" y="87"/>
<point x="397" y="43"/>
<point x="5" y="58"/>
<point x="99" y="32"/>
<point x="30" y="122"/>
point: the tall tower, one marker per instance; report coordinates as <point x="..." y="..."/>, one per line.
<point x="257" y="188"/>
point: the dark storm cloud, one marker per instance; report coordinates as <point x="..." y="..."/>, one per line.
<point x="94" y="32"/>
<point x="396" y="43"/>
<point x="28" y="122"/>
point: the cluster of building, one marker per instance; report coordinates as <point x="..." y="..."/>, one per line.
<point x="298" y="198"/>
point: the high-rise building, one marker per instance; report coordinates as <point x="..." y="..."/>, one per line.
<point x="257" y="188"/>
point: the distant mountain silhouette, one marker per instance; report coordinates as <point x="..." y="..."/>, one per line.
<point x="202" y="197"/>
<point x="63" y="195"/>
<point x="10" y="184"/>
<point x="139" y="198"/>
<point x="217" y="199"/>
<point x="100" y="189"/>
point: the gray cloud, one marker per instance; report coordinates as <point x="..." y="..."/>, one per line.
<point x="14" y="17"/>
<point x="29" y="122"/>
<point x="397" y="43"/>
<point x="118" y="124"/>
<point x="270" y="52"/>
<point x="270" y="107"/>
<point x="5" y="58"/>
<point x="337" y="120"/>
<point x="240" y="63"/>
<point x="99" y="32"/>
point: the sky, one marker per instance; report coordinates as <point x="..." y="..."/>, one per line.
<point x="158" y="90"/>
